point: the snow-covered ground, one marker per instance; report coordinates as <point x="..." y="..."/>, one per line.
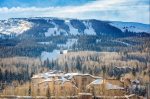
<point x="50" y="55"/>
<point x="68" y="44"/>
<point x="55" y="31"/>
<point x="124" y="43"/>
<point x="50" y="32"/>
<point x="89" y="29"/>
<point x="131" y="26"/>
<point x="46" y="43"/>
<point x="73" y="31"/>
<point x="14" y="27"/>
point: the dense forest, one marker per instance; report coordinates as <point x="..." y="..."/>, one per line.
<point x="111" y="51"/>
<point x="127" y="60"/>
<point x="32" y="47"/>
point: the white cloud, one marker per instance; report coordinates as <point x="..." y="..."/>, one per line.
<point x="100" y="9"/>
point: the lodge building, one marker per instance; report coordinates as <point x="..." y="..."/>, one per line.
<point x="70" y="84"/>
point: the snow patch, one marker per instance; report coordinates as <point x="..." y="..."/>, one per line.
<point x="127" y="44"/>
<point x="68" y="44"/>
<point x="73" y="31"/>
<point x="70" y="75"/>
<point x="89" y="29"/>
<point x="50" y="32"/>
<point x="55" y="31"/>
<point x="46" y="43"/>
<point x="14" y="26"/>
<point x="132" y="27"/>
<point x="50" y="55"/>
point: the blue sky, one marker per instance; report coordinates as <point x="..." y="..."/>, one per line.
<point x="115" y="10"/>
<point x="42" y="3"/>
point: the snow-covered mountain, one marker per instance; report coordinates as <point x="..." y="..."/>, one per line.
<point x="14" y="26"/>
<point x="131" y="26"/>
<point x="45" y="27"/>
<point x="36" y="37"/>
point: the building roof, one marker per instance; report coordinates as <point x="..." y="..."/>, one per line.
<point x="97" y="81"/>
<point x="135" y="81"/>
<point x="62" y="78"/>
<point x="71" y="75"/>
<point x="110" y="86"/>
<point x="48" y="74"/>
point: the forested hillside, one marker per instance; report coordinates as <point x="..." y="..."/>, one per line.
<point x="35" y="45"/>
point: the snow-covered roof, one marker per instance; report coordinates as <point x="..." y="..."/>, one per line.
<point x="62" y="77"/>
<point x="49" y="74"/>
<point x="108" y="85"/>
<point x="70" y="75"/>
<point x="37" y="76"/>
<point x="49" y="79"/>
<point x="97" y="81"/>
<point x="111" y="86"/>
<point x="135" y="81"/>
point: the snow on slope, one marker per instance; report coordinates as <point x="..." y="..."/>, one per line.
<point x="50" y="55"/>
<point x="50" y="32"/>
<point x="89" y="29"/>
<point x="55" y="31"/>
<point x="131" y="26"/>
<point x="73" y="31"/>
<point x="14" y="26"/>
<point x="68" y="44"/>
<point x="58" y="31"/>
<point x="45" y="43"/>
<point x="124" y="43"/>
<point x="19" y="26"/>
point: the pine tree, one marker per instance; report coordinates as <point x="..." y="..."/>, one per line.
<point x="48" y="94"/>
<point x="78" y="64"/>
<point x="29" y="91"/>
<point x="66" y="67"/>
<point x="134" y="72"/>
<point x="6" y="77"/>
<point x="1" y="75"/>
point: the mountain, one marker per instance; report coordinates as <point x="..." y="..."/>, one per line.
<point x="132" y="27"/>
<point x="34" y="37"/>
<point x="45" y="27"/>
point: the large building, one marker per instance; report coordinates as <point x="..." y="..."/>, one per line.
<point x="70" y="84"/>
<point x="55" y="80"/>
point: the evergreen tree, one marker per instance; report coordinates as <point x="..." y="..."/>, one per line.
<point x="48" y="94"/>
<point x="66" y="67"/>
<point x="29" y="91"/>
<point x="134" y="72"/>
<point x="78" y="64"/>
<point x="1" y="75"/>
<point x="6" y="77"/>
<point x="84" y="69"/>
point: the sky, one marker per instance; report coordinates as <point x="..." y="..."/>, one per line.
<point x="112" y="10"/>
